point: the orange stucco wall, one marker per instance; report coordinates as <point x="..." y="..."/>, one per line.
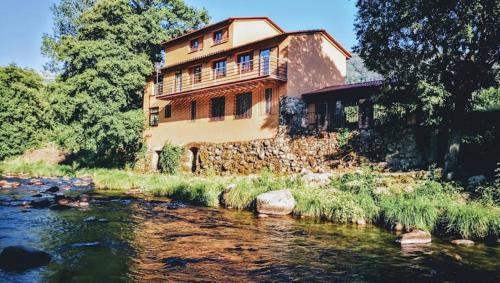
<point x="245" y="31"/>
<point x="180" y="129"/>
<point x="313" y="63"/>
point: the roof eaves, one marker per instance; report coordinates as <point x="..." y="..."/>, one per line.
<point x="223" y="22"/>
<point x="375" y="83"/>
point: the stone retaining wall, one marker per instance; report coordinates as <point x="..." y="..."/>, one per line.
<point x="313" y="152"/>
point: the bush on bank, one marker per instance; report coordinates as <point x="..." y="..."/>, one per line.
<point x="366" y="195"/>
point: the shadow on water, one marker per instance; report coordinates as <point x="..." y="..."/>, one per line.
<point x="134" y="240"/>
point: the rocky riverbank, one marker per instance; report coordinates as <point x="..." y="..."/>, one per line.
<point x="360" y="198"/>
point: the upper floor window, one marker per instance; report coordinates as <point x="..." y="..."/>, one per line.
<point x="196" y="74"/>
<point x="154" y="116"/>
<point x="219" y="36"/>
<point x="219" y="68"/>
<point x="196" y="44"/>
<point x="178" y="81"/>
<point x="245" y="62"/>
<point x="244" y="105"/>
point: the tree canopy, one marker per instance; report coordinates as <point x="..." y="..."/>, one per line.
<point x="24" y="110"/>
<point x="436" y="54"/>
<point x="105" y="49"/>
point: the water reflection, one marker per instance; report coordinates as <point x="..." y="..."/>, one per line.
<point x="157" y="241"/>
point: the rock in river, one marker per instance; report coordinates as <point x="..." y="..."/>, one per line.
<point x="40" y="203"/>
<point x="415" y="237"/>
<point x="19" y="258"/>
<point x="52" y="189"/>
<point x="276" y="202"/>
<point x="464" y="242"/>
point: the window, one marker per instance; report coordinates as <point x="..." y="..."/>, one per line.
<point x="219" y="36"/>
<point x="245" y="62"/>
<point x="154" y="116"/>
<point x="168" y="111"/>
<point x="178" y="81"/>
<point x="217" y="108"/>
<point x="196" y="74"/>
<point x="268" y="97"/>
<point x="158" y="90"/>
<point x="193" y="110"/>
<point x="244" y="105"/>
<point x="219" y="68"/>
<point x="196" y="44"/>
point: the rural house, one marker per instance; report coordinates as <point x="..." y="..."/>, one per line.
<point x="224" y="83"/>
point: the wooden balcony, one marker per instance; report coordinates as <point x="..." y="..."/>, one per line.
<point x="268" y="68"/>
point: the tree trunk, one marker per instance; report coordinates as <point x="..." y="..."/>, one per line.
<point x="451" y="159"/>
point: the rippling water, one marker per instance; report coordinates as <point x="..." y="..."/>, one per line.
<point x="138" y="241"/>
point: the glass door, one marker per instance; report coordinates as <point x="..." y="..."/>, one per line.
<point x="265" y="55"/>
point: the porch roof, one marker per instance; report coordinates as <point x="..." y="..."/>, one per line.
<point x="344" y="91"/>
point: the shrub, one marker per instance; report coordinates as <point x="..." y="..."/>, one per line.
<point x="343" y="137"/>
<point x="170" y="157"/>
<point x="358" y="182"/>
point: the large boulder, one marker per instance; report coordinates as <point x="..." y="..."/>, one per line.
<point x="415" y="237"/>
<point x="276" y="202"/>
<point x="464" y="242"/>
<point x="19" y="258"/>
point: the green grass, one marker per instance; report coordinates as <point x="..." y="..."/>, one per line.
<point x="473" y="220"/>
<point x="412" y="212"/>
<point x="334" y="205"/>
<point x="37" y="169"/>
<point x="422" y="204"/>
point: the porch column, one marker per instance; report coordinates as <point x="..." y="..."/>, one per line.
<point x="365" y="114"/>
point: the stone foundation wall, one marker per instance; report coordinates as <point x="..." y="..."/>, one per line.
<point x="321" y="152"/>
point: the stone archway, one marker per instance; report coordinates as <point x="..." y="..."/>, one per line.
<point x="192" y="161"/>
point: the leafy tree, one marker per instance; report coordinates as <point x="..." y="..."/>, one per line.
<point x="436" y="53"/>
<point x="24" y="110"/>
<point x="106" y="49"/>
<point x="487" y="99"/>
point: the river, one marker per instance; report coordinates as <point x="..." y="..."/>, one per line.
<point x="132" y="240"/>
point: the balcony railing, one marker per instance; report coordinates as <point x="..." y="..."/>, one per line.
<point x="270" y="67"/>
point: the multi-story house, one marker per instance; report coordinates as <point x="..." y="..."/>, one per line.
<point x="223" y="82"/>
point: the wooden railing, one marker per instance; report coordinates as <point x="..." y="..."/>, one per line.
<point x="235" y="72"/>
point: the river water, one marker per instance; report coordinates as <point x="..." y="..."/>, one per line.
<point x="158" y="240"/>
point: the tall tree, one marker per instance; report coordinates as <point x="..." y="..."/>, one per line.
<point x="437" y="53"/>
<point x="106" y="50"/>
<point x="24" y="110"/>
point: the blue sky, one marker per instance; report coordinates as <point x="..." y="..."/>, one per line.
<point x="23" y="22"/>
